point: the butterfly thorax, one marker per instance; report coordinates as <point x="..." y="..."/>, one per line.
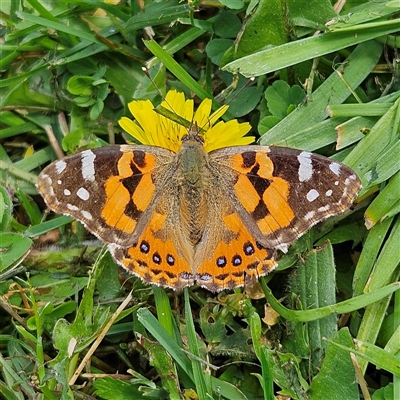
<point x="192" y="186"/>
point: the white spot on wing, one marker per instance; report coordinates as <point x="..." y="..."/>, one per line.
<point x="352" y="178"/>
<point x="348" y="183"/>
<point x="87" y="215"/>
<point x="60" y="166"/>
<point x="59" y="181"/>
<point x="309" y="215"/>
<point x="328" y="193"/>
<point x="324" y="208"/>
<point x="283" y="247"/>
<point x="335" y="168"/>
<point x="88" y="158"/>
<point x="203" y="277"/>
<point x="72" y="207"/>
<point x="312" y="195"/>
<point x="83" y="194"/>
<point x="305" y="168"/>
<point x="67" y="192"/>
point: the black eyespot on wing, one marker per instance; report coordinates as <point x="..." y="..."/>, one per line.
<point x="248" y="249"/>
<point x="236" y="260"/>
<point x="144" y="247"/>
<point x="157" y="258"/>
<point x="221" y="262"/>
<point x="170" y="260"/>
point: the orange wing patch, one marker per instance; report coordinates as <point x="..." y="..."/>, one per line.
<point x="262" y="194"/>
<point x="158" y="257"/>
<point x="236" y="260"/>
<point x="129" y="193"/>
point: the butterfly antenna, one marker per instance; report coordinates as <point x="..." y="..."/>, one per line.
<point x="221" y="98"/>
<point x="173" y="115"/>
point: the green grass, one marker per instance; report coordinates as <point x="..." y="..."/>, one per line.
<point x="326" y="324"/>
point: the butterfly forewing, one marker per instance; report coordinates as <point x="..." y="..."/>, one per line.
<point x="283" y="192"/>
<point x="110" y="189"/>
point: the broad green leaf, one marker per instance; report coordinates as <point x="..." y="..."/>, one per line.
<point x="80" y="85"/>
<point x="384" y="393"/>
<point x="115" y="389"/>
<point x="233" y="4"/>
<point x="313" y="14"/>
<point x="244" y="101"/>
<point x="227" y="25"/>
<point x="157" y="13"/>
<point x="96" y="109"/>
<point x="361" y="110"/>
<point x="336" y="367"/>
<point x="55" y="287"/>
<point x="165" y="367"/>
<point x="265" y="27"/>
<point x="363" y="13"/>
<point x="281" y="98"/>
<point x="213" y="324"/>
<point x="216" y="49"/>
<point x="313" y="286"/>
<point x="374" y="354"/>
<point x="13" y="247"/>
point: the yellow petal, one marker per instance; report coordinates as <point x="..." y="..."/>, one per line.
<point x="133" y="129"/>
<point x="154" y="129"/>
<point x="215" y="116"/>
<point x="202" y="115"/>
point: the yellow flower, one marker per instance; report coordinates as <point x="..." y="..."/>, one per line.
<point x="154" y="129"/>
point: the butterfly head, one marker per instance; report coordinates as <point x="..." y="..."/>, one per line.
<point x="193" y="135"/>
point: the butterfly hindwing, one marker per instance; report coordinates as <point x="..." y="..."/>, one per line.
<point x="161" y="254"/>
<point x="229" y="255"/>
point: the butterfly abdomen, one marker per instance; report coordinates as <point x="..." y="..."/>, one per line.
<point x="192" y="187"/>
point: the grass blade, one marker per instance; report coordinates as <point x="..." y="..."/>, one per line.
<point x="280" y="57"/>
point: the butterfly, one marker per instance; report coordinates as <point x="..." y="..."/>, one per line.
<point x="213" y="218"/>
